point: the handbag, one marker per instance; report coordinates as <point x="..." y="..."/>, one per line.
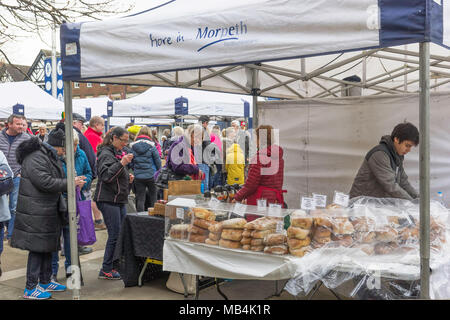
<point x="6" y="179"/>
<point x="85" y="223"/>
<point x="174" y="283"/>
<point x="165" y="175"/>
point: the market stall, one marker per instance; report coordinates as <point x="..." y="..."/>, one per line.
<point x="191" y="36"/>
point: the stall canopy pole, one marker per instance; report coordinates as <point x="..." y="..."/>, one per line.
<point x="424" y="146"/>
<point x="255" y="90"/>
<point x="74" y="282"/>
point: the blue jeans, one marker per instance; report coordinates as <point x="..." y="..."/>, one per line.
<point x="216" y="180"/>
<point x="12" y="205"/>
<point x="113" y="215"/>
<point x="205" y="169"/>
<point x="55" y="257"/>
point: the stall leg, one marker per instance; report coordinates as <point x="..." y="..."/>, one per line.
<point x="142" y="273"/>
<point x="186" y="293"/>
<point x="197" y="289"/>
<point x="218" y="289"/>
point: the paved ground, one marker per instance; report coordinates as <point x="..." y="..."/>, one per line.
<point x="14" y="261"/>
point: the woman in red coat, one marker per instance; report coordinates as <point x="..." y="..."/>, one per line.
<point x="266" y="171"/>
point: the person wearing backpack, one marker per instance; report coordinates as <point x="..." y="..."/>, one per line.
<point x="5" y="187"/>
<point x="146" y="162"/>
<point x="381" y="174"/>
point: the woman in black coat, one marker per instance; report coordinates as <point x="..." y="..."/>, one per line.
<point x="111" y="193"/>
<point x="38" y="216"/>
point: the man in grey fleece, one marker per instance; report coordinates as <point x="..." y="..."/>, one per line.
<point x="381" y="174"/>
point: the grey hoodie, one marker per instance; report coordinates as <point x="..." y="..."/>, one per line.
<point x="377" y="177"/>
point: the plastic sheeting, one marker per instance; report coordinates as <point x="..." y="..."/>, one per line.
<point x="325" y="140"/>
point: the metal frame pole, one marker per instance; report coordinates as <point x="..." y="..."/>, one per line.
<point x="255" y="98"/>
<point x="424" y="148"/>
<point x="70" y="164"/>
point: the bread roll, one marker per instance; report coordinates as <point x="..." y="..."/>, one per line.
<point x="216" y="228"/>
<point x="388" y="234"/>
<point x="366" y="237"/>
<point x="246" y="240"/>
<point x="196" y="230"/>
<point x="202" y="223"/>
<point x="212" y="242"/>
<point x="197" y="238"/>
<point x="260" y="234"/>
<point x="263" y="223"/>
<point x="246" y="247"/>
<point x="297" y="233"/>
<point x="179" y="231"/>
<point x="342" y="227"/>
<point x="214" y="236"/>
<point x="297" y="244"/>
<point x="231" y="234"/>
<point x="322" y="222"/>
<point x="321" y="240"/>
<point x="257" y="248"/>
<point x="301" y="221"/>
<point x="279" y="249"/>
<point x="257" y="242"/>
<point x="236" y="223"/>
<point x="274" y="239"/>
<point x="204" y="214"/>
<point x="301" y="251"/>
<point x="247" y="233"/>
<point x="363" y="224"/>
<point x="322" y="232"/>
<point x="411" y="234"/>
<point x="229" y="244"/>
<point x="344" y="240"/>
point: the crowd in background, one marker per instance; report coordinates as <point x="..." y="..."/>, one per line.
<point x="108" y="167"/>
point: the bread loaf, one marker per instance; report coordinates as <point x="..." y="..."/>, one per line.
<point x="231" y="234"/>
<point x="257" y="248"/>
<point x="247" y="233"/>
<point x="246" y="240"/>
<point x="212" y="242"/>
<point x="297" y="233"/>
<point x="366" y="237"/>
<point x="229" y="244"/>
<point x="236" y="223"/>
<point x="257" y="242"/>
<point x="202" y="223"/>
<point x="388" y="234"/>
<point x="204" y="214"/>
<point x="196" y="230"/>
<point x="246" y="247"/>
<point x="300" y="220"/>
<point x="214" y="236"/>
<point x="263" y="223"/>
<point x="179" y="231"/>
<point x="301" y="251"/>
<point x="322" y="221"/>
<point x="197" y="238"/>
<point x="279" y="249"/>
<point x="216" y="228"/>
<point x="274" y="239"/>
<point x="260" y="234"/>
<point x="342" y="226"/>
<point x="322" y="232"/>
<point x="297" y="243"/>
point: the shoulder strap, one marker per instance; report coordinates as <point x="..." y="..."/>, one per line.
<point x="384" y="148"/>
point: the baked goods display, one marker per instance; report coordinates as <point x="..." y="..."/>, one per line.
<point x="380" y="231"/>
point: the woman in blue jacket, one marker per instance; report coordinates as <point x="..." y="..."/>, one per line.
<point x="146" y="162"/>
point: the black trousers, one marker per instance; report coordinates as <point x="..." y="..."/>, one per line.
<point x="142" y="185"/>
<point x="39" y="268"/>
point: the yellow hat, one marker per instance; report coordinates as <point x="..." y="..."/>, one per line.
<point x="134" y="129"/>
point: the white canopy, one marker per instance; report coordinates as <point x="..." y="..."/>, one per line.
<point x="98" y="105"/>
<point x="157" y="102"/>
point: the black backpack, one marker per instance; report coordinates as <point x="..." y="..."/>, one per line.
<point x="6" y="180"/>
<point x="166" y="175"/>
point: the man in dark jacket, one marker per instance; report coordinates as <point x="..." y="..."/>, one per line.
<point x="39" y="214"/>
<point x="381" y="174"/>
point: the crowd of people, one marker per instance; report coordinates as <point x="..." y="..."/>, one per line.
<point x="108" y="167"/>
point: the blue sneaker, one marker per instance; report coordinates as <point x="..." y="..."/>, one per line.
<point x="113" y="275"/>
<point x="36" y="294"/>
<point x="52" y="286"/>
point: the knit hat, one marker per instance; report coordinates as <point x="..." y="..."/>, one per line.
<point x="56" y="138"/>
<point x="134" y="129"/>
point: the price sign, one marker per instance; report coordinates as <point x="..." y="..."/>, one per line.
<point x="280" y="227"/>
<point x="214" y="203"/>
<point x="308" y="203"/>
<point x="341" y="199"/>
<point x="320" y="200"/>
<point x="262" y="204"/>
<point x="239" y="209"/>
<point x="274" y="209"/>
<point x="180" y="213"/>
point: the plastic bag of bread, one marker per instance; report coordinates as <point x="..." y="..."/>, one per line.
<point x="235" y="223"/>
<point x="203" y="214"/>
<point x="297" y="243"/>
<point x="247" y="233"/>
<point x="387" y="234"/>
<point x="246" y="241"/>
<point x="196" y="230"/>
<point x="257" y="242"/>
<point x="216" y="228"/>
<point x="297" y="233"/>
<point x="342" y="240"/>
<point x="202" y="223"/>
<point x="275" y="239"/>
<point x="278" y="249"/>
<point x="229" y="244"/>
<point x="214" y="236"/>
<point x="300" y="219"/>
<point x="301" y="251"/>
<point x="231" y="234"/>
<point x="341" y="225"/>
<point x="263" y="223"/>
<point x="179" y="231"/>
<point x="260" y="234"/>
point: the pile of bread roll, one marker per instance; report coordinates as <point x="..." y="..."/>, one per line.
<point x="299" y="233"/>
<point x="231" y="234"/>
<point x="255" y="231"/>
<point x="197" y="230"/>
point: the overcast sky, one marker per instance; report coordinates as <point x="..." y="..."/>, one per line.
<point x="25" y="50"/>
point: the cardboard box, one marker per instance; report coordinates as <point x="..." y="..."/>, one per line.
<point x="182" y="187"/>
